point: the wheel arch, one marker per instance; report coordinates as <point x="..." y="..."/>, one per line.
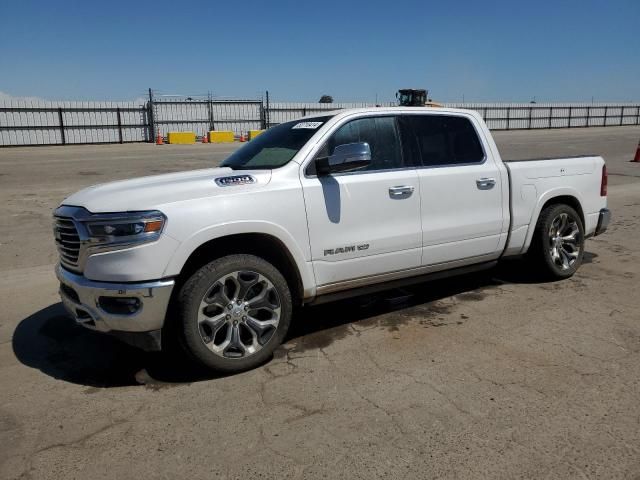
<point x="263" y="245"/>
<point x="568" y="197"/>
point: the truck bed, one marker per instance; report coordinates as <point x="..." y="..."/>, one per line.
<point x="547" y="158"/>
<point x="534" y="181"/>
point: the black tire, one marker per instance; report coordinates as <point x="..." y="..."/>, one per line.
<point x="541" y="252"/>
<point x="201" y="283"/>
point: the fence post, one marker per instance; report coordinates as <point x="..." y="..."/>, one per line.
<point x="268" y="112"/>
<point x="621" y="114"/>
<point x="119" y="124"/>
<point x="588" y="119"/>
<point x="508" y="115"/>
<point x="210" y="111"/>
<point x="530" y="112"/>
<point x="637" y="114"/>
<point x="150" y="113"/>
<point x="61" y="122"/>
<point x="569" y="119"/>
<point x="263" y="115"/>
<point x="605" y="116"/>
<point x="550" y="115"/>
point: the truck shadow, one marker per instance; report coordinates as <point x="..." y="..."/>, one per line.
<point x="51" y="342"/>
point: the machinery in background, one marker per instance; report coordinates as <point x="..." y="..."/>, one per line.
<point x="415" y="97"/>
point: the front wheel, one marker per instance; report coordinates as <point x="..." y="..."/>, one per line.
<point x="558" y="243"/>
<point x="234" y="311"/>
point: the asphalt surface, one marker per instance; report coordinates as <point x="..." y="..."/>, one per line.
<point x="495" y="375"/>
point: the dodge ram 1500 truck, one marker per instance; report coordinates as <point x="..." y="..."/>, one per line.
<point x="312" y="210"/>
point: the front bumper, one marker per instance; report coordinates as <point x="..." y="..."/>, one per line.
<point x="603" y="221"/>
<point x="121" y="307"/>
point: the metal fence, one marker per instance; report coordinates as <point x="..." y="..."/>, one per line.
<point x="525" y="116"/>
<point x="201" y="116"/>
<point x="60" y="123"/>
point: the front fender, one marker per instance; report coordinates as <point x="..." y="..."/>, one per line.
<point x="190" y="244"/>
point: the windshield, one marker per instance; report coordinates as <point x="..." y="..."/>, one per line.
<point x="275" y="147"/>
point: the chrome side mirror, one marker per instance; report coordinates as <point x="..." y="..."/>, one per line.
<point x="345" y="158"/>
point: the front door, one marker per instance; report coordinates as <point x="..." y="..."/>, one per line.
<point x="367" y="222"/>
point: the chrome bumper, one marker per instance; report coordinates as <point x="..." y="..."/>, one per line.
<point x="603" y="221"/>
<point x="99" y="305"/>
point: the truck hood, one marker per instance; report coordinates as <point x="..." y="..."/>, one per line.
<point x="147" y="193"/>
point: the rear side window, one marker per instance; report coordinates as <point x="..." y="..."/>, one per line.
<point x="381" y="135"/>
<point x="437" y="140"/>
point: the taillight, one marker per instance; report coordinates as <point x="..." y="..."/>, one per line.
<point x="603" y="182"/>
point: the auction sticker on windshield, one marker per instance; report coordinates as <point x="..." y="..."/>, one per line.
<point x="311" y="125"/>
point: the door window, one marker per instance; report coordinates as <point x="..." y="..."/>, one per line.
<point x="440" y="140"/>
<point x="381" y="135"/>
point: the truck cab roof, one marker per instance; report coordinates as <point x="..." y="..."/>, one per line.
<point x="391" y="111"/>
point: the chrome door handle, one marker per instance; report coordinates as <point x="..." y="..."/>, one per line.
<point x="486" y="183"/>
<point x="403" y="191"/>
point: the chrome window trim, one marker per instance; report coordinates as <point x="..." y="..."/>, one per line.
<point x="365" y="172"/>
<point x="325" y="137"/>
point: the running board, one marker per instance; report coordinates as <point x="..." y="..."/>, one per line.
<point x="401" y="282"/>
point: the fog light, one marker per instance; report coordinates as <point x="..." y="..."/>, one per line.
<point x="69" y="292"/>
<point x="120" y="305"/>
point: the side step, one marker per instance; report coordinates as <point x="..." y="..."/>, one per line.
<point x="401" y="282"/>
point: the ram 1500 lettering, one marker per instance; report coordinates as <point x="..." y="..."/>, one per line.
<point x="309" y="211"/>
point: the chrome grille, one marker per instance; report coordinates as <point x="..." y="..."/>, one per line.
<point x="67" y="241"/>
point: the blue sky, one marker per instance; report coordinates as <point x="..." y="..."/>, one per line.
<point x="487" y="51"/>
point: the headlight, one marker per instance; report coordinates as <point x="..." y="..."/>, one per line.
<point x="126" y="228"/>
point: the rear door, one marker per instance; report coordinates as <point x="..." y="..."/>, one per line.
<point x="366" y="222"/>
<point x="461" y="197"/>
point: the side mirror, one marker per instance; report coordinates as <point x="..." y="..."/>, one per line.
<point x="345" y="158"/>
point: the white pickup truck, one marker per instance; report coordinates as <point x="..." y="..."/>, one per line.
<point x="311" y="210"/>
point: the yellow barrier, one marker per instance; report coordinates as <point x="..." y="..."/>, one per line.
<point x="181" y="137"/>
<point x="254" y="133"/>
<point x="220" y="136"/>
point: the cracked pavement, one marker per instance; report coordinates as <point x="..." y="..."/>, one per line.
<point x="493" y="375"/>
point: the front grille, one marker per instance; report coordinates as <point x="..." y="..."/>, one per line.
<point x="67" y="241"/>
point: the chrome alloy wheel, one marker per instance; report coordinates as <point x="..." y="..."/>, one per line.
<point x="239" y="314"/>
<point x="564" y="241"/>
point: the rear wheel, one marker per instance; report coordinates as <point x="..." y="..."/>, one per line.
<point x="558" y="242"/>
<point x="235" y="311"/>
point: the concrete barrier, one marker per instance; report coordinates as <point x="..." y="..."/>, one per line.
<point x="181" y="138"/>
<point x="221" y="136"/>
<point x="254" y="133"/>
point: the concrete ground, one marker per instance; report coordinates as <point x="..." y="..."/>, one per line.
<point x="493" y="375"/>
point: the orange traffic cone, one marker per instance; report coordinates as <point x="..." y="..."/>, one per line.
<point x="204" y="138"/>
<point x="637" y="157"/>
<point x="159" y="140"/>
